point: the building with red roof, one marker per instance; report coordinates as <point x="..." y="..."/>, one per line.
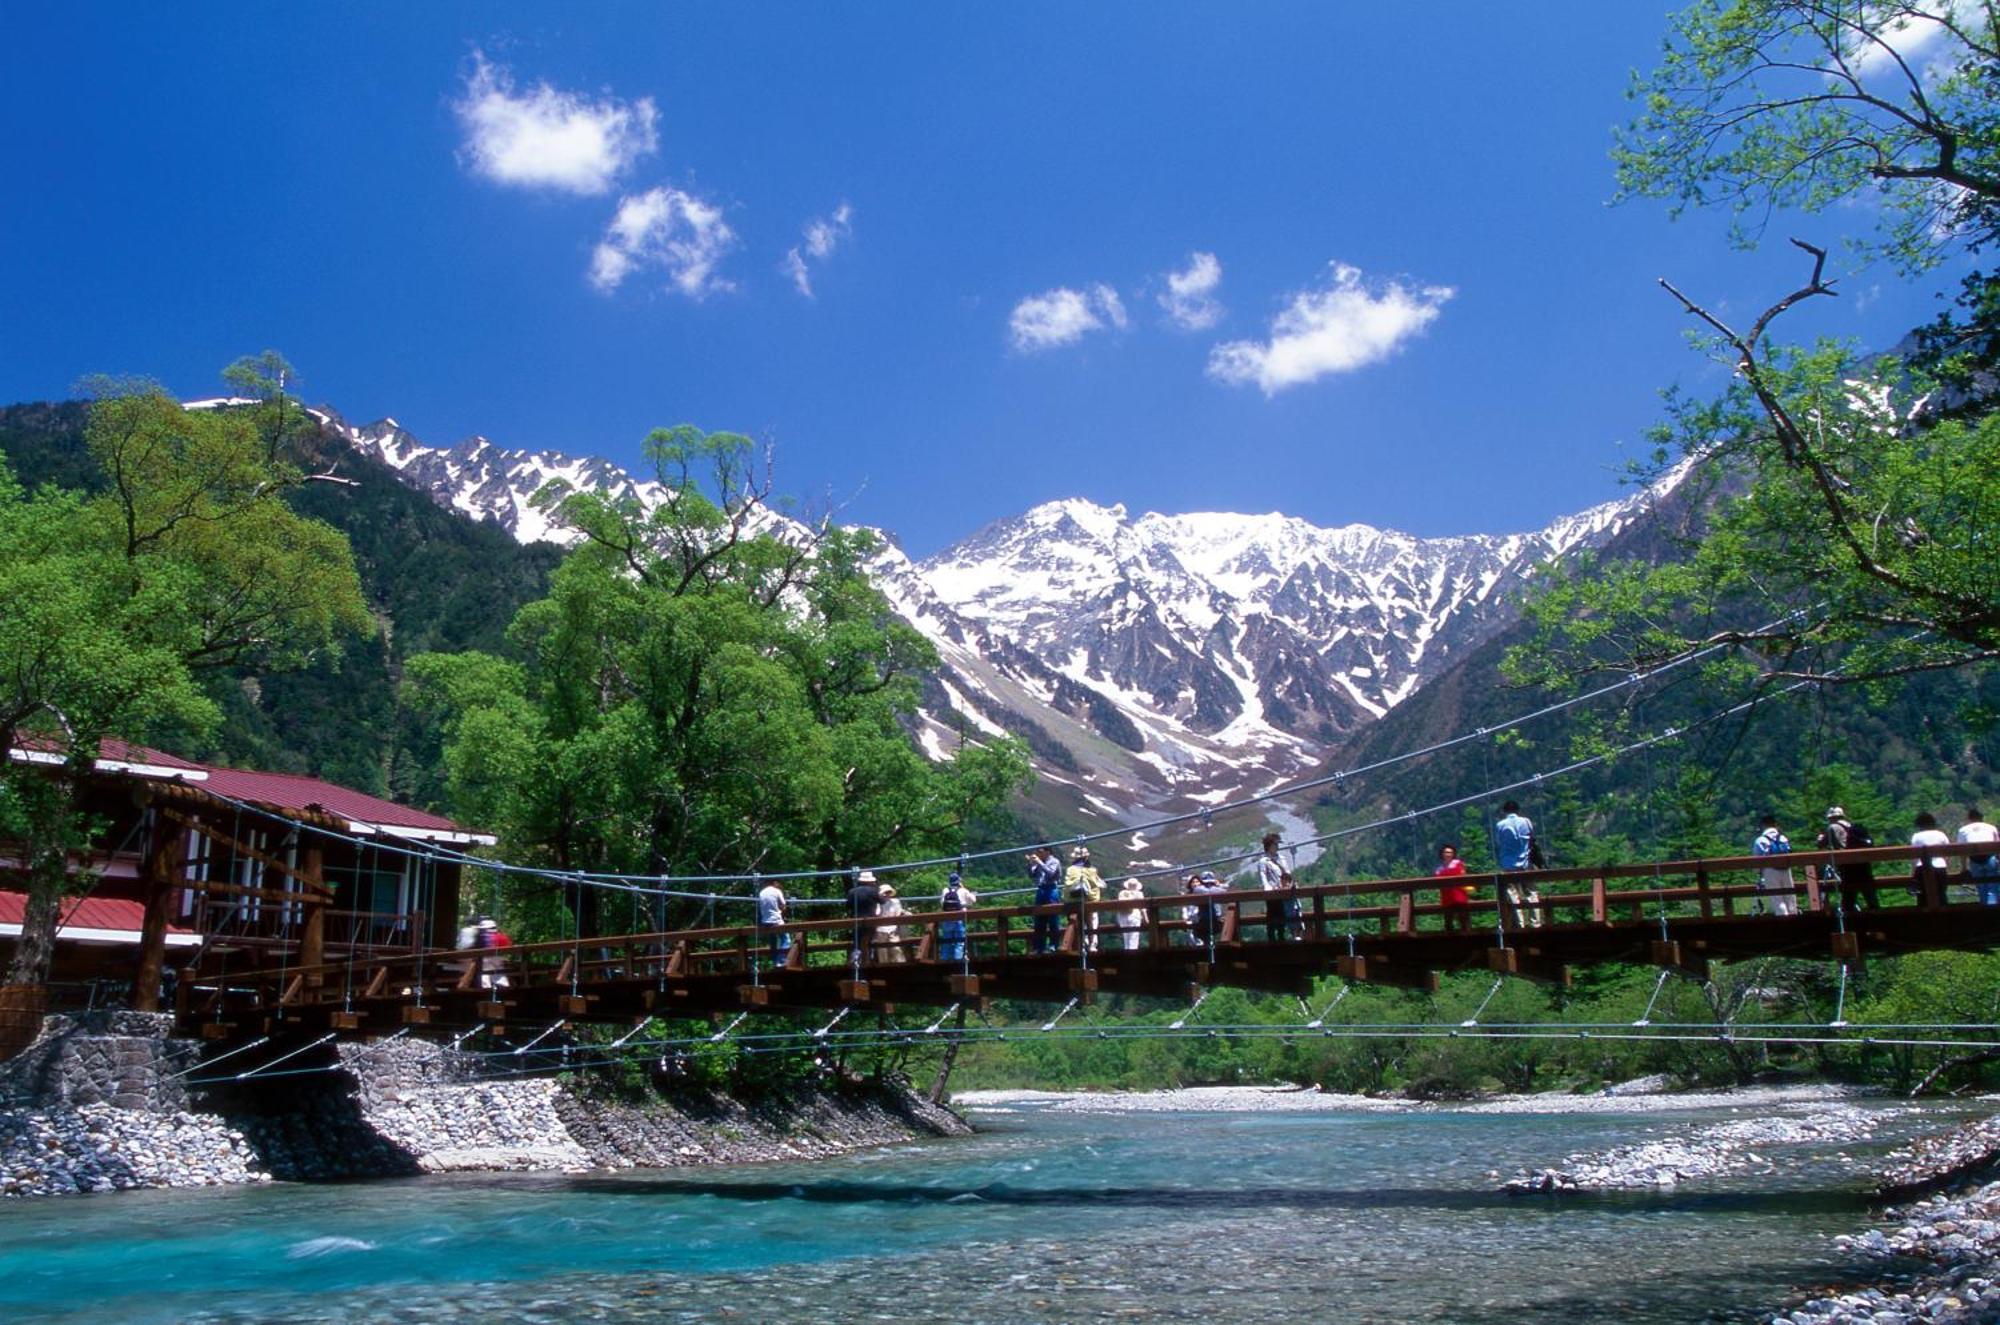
<point x="199" y="864"/>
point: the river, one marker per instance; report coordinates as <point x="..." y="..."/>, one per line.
<point x="1045" y="1216"/>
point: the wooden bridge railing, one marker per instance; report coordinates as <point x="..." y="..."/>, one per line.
<point x="752" y="954"/>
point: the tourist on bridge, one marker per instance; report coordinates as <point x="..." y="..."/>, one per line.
<point x="1927" y="879"/>
<point x="951" y="933"/>
<point x="1515" y="846"/>
<point x="1046" y="873"/>
<point x="1454" y="900"/>
<point x="1209" y="926"/>
<point x="1774" y="883"/>
<point x="1855" y="877"/>
<point x="770" y="915"/>
<point x="889" y="938"/>
<point x="1281" y="913"/>
<point x="864" y="900"/>
<point x="1984" y="871"/>
<point x="1132" y="921"/>
<point x="1084" y="885"/>
<point x="494" y="943"/>
<point x="1191" y="887"/>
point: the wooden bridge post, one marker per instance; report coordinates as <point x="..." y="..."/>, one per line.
<point x="1406" y="912"/>
<point x="1599" y="906"/>
<point x="1707" y="902"/>
<point x="312" y="938"/>
<point x="1319" y="916"/>
<point x="163" y="861"/>
<point x="1813" y="902"/>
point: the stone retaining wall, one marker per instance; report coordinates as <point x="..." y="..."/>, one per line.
<point x="125" y="1059"/>
<point x="100" y="1105"/>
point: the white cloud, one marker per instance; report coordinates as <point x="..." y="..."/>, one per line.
<point x="823" y="234"/>
<point x="1908" y="33"/>
<point x="673" y="231"/>
<point x="1345" y="325"/>
<point x="1189" y="300"/>
<point x="546" y="139"/>
<point x="1062" y="316"/>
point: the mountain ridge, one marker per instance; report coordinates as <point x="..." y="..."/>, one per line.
<point x="1152" y="661"/>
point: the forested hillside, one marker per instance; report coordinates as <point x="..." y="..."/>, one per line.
<point x="434" y="581"/>
<point x="1884" y="753"/>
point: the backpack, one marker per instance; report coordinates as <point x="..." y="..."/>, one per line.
<point x="1857" y="836"/>
<point x="952" y="900"/>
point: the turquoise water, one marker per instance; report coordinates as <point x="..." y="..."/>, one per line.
<point x="1044" y="1217"/>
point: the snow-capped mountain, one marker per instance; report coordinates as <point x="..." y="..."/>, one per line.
<point x="1163" y="659"/>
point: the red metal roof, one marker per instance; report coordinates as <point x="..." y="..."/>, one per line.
<point x="112" y="913"/>
<point x="290" y="791"/>
<point x="278" y="791"/>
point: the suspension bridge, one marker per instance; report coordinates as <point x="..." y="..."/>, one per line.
<point x="1679" y="916"/>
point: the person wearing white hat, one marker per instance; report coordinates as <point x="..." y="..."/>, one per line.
<point x="889" y="938"/>
<point x="1132" y="920"/>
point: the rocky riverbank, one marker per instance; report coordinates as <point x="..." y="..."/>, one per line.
<point x="102" y="1104"/>
<point x="1938" y="1257"/>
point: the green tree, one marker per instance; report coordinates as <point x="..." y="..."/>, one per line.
<point x="1758" y="105"/>
<point x="707" y="689"/>
<point x="112" y="606"/>
<point x="1837" y="534"/>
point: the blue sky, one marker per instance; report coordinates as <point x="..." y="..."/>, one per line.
<point x="1401" y="296"/>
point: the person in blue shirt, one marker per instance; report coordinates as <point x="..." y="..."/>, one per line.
<point x="1046" y="873"/>
<point x="1514" y="847"/>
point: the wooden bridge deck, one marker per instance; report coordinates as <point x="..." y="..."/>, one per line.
<point x="1679" y="914"/>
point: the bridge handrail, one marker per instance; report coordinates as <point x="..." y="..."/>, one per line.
<point x="743" y="939"/>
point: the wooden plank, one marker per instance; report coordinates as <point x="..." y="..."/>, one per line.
<point x="1599" y="913"/>
<point x="1847" y="947"/>
<point x="854" y="991"/>
<point x="964" y="986"/>
<point x="416" y="1016"/>
<point x="377" y="983"/>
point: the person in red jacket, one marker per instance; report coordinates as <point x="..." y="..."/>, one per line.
<point x="1454" y="898"/>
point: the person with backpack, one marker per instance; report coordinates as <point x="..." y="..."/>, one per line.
<point x="1984" y="871"/>
<point x="1774" y="882"/>
<point x="1855" y="877"/>
<point x="951" y="933"/>
<point x="864" y="900"/>
<point x="1084" y="884"/>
